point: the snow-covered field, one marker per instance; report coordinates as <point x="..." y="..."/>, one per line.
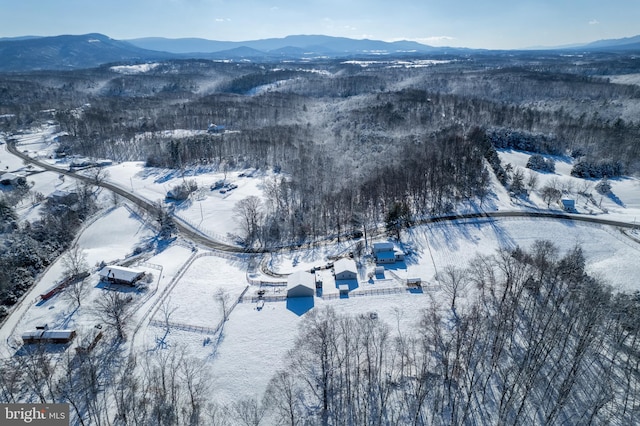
<point x="246" y="350"/>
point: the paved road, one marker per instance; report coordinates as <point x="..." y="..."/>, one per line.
<point x="209" y="242"/>
<point x="185" y="230"/>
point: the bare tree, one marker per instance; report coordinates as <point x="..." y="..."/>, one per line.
<point x="99" y="175"/>
<point x="550" y="194"/>
<point x="112" y="308"/>
<point x="247" y="412"/>
<point x="283" y="398"/>
<point x="532" y="181"/>
<point x="454" y="281"/>
<point x="74" y="262"/>
<point x="76" y="291"/>
<point x="250" y="215"/>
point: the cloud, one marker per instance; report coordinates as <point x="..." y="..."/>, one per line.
<point x="594" y="22"/>
<point x="223" y="20"/>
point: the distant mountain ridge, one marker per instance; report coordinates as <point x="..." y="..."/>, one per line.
<point x="68" y="52"/>
<point x="91" y="50"/>
<point x="626" y="43"/>
<point x="309" y="43"/>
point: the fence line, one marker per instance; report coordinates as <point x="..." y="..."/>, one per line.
<point x="153" y="308"/>
<point x="205" y="231"/>
<point x="394" y="275"/>
<point x="182" y="326"/>
<point x="198" y="328"/>
<point x="256" y="299"/>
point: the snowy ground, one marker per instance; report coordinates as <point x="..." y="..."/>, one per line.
<point x="248" y="348"/>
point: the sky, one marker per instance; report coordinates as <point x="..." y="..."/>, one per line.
<point x="492" y="24"/>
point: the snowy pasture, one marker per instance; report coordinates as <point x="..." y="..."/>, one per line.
<point x="197" y="298"/>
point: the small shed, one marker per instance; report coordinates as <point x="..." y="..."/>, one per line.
<point x="120" y="275"/>
<point x="414" y="282"/>
<point x="343" y="289"/>
<point x="345" y="269"/>
<point x="568" y="205"/>
<point x="301" y="284"/>
<point x="215" y="128"/>
<point x="379" y="272"/>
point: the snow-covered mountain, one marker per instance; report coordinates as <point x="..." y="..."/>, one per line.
<point x="91" y="50"/>
<point x="318" y="44"/>
<point x="68" y="52"/>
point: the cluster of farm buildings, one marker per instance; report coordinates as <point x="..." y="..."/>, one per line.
<point x="299" y="284"/>
<point x="111" y="274"/>
<point x="345" y="272"/>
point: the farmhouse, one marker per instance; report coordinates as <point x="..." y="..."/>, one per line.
<point x="301" y="284"/>
<point x="345" y="269"/>
<point x="63" y="197"/>
<point x="48" y="336"/>
<point x="12" y="179"/>
<point x="386" y="253"/>
<point x="120" y="275"/>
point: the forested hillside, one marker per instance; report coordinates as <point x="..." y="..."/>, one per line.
<point x="358" y="141"/>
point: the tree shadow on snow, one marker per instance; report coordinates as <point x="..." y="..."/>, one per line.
<point x="616" y="200"/>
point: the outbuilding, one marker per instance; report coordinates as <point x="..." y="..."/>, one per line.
<point x="12" y="179"/>
<point x="386" y="253"/>
<point x="48" y="336"/>
<point x="568" y="204"/>
<point x="301" y="284"/>
<point x="120" y="275"/>
<point x="345" y="269"/>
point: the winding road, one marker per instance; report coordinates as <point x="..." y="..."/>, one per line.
<point x="206" y="241"/>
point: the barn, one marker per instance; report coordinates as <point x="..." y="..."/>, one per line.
<point x="48" y="336"/>
<point x="120" y="275"/>
<point x="345" y="269"/>
<point x="301" y="284"/>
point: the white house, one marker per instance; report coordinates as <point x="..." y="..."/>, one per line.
<point x="386" y="253"/>
<point x="120" y="275"/>
<point x="345" y="269"/>
<point x="301" y="284"/>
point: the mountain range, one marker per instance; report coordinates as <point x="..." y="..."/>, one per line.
<point x="91" y="50"/>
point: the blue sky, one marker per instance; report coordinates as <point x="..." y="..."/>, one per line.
<point x="499" y="24"/>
